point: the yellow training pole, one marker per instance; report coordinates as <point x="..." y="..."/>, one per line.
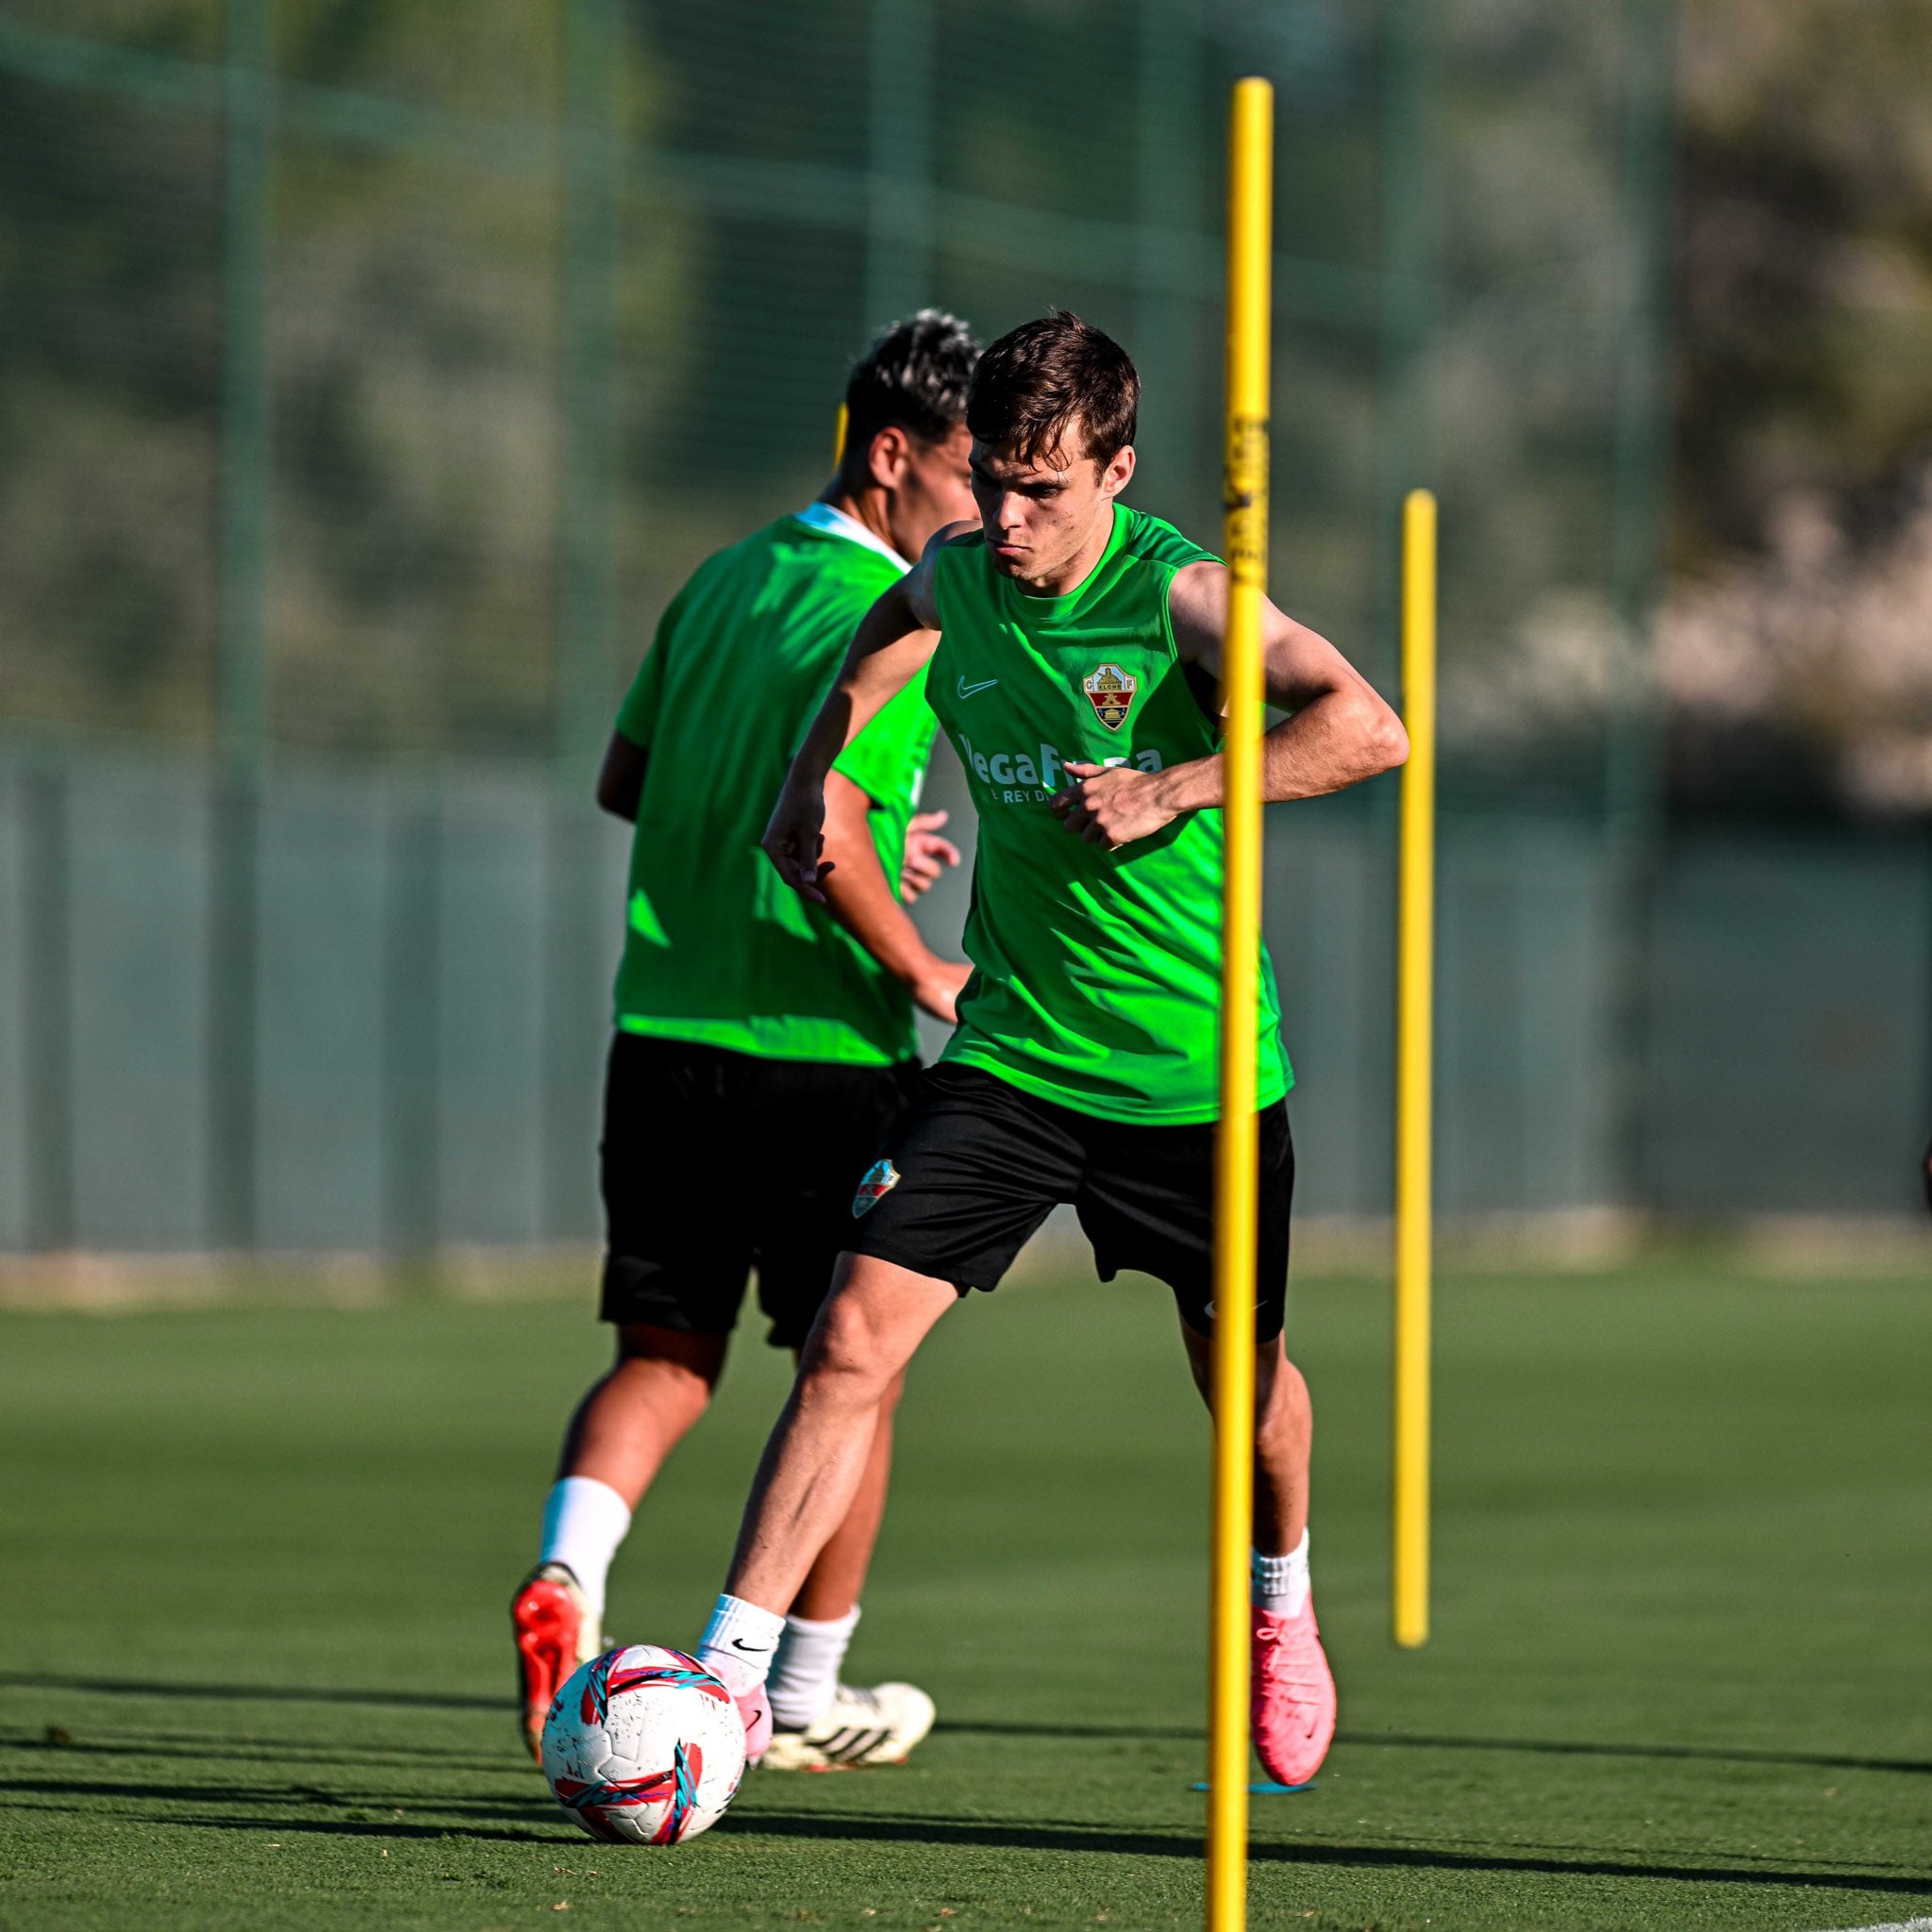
<point x="1414" y="1029"/>
<point x="1250" y="218"/>
<point x="839" y="438"/>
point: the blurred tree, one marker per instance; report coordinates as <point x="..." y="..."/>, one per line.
<point x="1797" y="648"/>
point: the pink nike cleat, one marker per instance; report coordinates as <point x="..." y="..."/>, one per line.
<point x="755" y="1707"/>
<point x="1291" y="1695"/>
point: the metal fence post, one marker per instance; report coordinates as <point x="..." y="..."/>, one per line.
<point x="588" y="443"/>
<point x="1168" y="308"/>
<point x="1633" y="740"/>
<point x="243" y="688"/>
<point x="48" y="1042"/>
<point x="900" y="155"/>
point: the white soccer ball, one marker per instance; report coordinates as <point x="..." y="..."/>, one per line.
<point x="644" y="1746"/>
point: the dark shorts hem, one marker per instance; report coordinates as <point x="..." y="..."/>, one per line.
<point x="718" y="1164"/>
<point x="982" y="1163"/>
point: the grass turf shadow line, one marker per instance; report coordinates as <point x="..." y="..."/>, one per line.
<point x="563" y="1834"/>
<point x="291" y="1796"/>
<point x="251" y="1693"/>
<point x="974" y="1835"/>
<point x="420" y="1700"/>
<point x="270" y="1750"/>
<point x="975" y="1832"/>
<point x="1698" y="1753"/>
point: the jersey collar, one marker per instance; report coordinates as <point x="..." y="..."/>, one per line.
<point x="835" y="523"/>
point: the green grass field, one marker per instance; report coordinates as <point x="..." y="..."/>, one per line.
<point x="254" y="1671"/>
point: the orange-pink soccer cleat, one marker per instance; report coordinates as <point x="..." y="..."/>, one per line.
<point x="555" y="1633"/>
<point x="1291" y="1695"/>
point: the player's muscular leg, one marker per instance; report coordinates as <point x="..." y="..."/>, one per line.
<point x="817" y="1460"/>
<point x="1284" y="1430"/>
<point x="632" y="1419"/>
<point x="837" y="1577"/>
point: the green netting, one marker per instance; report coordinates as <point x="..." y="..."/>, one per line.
<point x="370" y="376"/>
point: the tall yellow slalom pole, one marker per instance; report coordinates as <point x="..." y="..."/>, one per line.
<point x="1250" y="224"/>
<point x="1414" y="1032"/>
<point x="839" y="438"/>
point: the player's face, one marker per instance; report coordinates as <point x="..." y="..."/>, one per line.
<point x="1040" y="516"/>
<point x="932" y="488"/>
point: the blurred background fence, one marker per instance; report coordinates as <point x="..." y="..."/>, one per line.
<point x="371" y="376"/>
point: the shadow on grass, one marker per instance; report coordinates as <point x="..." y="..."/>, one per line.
<point x="354" y="1814"/>
<point x="1696" y="1753"/>
<point x="254" y="1749"/>
<point x="536" y="1822"/>
<point x="251" y="1693"/>
<point x="424" y="1700"/>
<point x="963" y="1832"/>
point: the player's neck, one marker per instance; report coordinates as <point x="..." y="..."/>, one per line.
<point x="866" y="508"/>
<point x="1077" y="568"/>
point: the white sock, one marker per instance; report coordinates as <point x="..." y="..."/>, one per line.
<point x="740" y="1644"/>
<point x="583" y="1521"/>
<point x="806" y="1677"/>
<point x="1281" y="1583"/>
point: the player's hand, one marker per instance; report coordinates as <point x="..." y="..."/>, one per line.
<point x="1111" y="804"/>
<point x="794" y="837"/>
<point x="936" y="992"/>
<point x="926" y="855"/>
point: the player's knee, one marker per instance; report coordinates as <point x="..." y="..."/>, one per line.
<point x="684" y="1368"/>
<point x="846" y="1357"/>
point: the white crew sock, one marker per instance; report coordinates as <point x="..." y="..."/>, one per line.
<point x="806" y="1677"/>
<point x="1281" y="1583"/>
<point x="740" y="1644"/>
<point x="583" y="1521"/>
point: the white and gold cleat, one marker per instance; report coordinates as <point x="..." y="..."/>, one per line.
<point x="862" y="1727"/>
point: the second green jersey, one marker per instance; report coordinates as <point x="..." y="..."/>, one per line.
<point x="1097" y="974"/>
<point x="717" y="948"/>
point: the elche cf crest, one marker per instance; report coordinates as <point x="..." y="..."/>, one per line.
<point x="881" y="1177"/>
<point x="1112" y="692"/>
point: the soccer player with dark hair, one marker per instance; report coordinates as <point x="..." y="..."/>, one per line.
<point x="1070" y="647"/>
<point x="765" y="1046"/>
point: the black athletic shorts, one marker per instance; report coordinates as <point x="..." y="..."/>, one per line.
<point x="981" y="1164"/>
<point x="715" y="1163"/>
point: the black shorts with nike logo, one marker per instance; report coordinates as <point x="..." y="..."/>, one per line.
<point x="981" y="1164"/>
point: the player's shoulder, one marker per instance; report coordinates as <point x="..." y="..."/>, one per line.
<point x="955" y="553"/>
<point x="1153" y="541"/>
<point x="755" y="551"/>
<point x="794" y="558"/>
<point x="953" y="547"/>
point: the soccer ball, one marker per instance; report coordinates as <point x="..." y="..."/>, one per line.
<point x="644" y="1746"/>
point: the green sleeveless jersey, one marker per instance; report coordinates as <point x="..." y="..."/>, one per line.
<point x="717" y="949"/>
<point x="1097" y="980"/>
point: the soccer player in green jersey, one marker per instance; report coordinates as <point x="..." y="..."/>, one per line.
<point x="1069" y="646"/>
<point x="765" y="1047"/>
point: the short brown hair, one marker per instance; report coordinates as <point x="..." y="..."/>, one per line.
<point x="1039" y="379"/>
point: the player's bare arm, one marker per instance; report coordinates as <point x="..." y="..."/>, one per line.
<point x="621" y="777"/>
<point x="1339" y="730"/>
<point x="862" y="900"/>
<point x="894" y="641"/>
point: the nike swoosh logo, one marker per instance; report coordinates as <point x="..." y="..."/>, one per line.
<point x="966" y="689"/>
<point x="753" y="1649"/>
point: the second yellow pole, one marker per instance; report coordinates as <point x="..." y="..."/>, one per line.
<point x="1414" y="1055"/>
<point x="1250" y="222"/>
